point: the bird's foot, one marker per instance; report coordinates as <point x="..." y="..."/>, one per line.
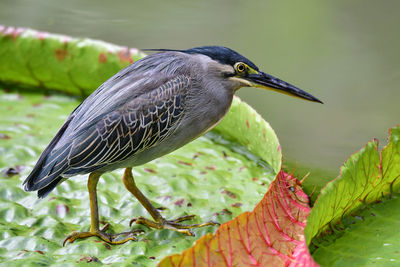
<point x="109" y="238"/>
<point x="172" y="224"/>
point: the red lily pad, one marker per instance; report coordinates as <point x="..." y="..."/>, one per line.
<point x="271" y="235"/>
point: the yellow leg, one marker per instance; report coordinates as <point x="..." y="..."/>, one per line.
<point x="159" y="221"/>
<point x="94" y="224"/>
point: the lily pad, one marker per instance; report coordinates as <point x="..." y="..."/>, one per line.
<point x="353" y="219"/>
<point x="206" y="178"/>
<point x="41" y="60"/>
<point x="216" y="177"/>
<point x="271" y="235"/>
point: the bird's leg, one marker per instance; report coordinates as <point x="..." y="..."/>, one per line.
<point x="94" y="224"/>
<point x="159" y="221"/>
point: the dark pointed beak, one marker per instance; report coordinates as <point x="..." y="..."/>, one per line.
<point x="266" y="81"/>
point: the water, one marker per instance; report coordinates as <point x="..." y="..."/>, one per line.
<point x="343" y="52"/>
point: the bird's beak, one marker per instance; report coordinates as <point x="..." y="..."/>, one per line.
<point x="266" y="81"/>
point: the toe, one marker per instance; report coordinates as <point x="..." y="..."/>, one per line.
<point x="76" y="235"/>
<point x="184" y="218"/>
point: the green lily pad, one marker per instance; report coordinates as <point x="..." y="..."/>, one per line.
<point x="212" y="177"/>
<point x="270" y="235"/>
<point x="353" y="219"/>
<point x="216" y="177"/>
<point x="40" y="60"/>
<point x="367" y="238"/>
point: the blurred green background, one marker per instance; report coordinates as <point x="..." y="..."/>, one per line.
<point x="344" y="52"/>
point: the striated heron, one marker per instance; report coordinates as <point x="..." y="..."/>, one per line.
<point x="143" y="112"/>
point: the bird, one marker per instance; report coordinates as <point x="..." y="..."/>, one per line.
<point x="148" y="109"/>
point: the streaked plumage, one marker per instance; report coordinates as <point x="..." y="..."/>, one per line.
<point x="135" y="113"/>
<point x="146" y="110"/>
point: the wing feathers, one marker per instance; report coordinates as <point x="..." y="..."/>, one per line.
<point x="138" y="124"/>
<point x="35" y="179"/>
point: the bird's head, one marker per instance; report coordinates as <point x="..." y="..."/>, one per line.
<point x="241" y="70"/>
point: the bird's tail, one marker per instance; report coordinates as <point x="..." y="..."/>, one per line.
<point x="46" y="174"/>
<point x="48" y="170"/>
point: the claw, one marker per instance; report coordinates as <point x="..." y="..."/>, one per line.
<point x="132" y="221"/>
<point x="172" y="224"/>
<point x="159" y="222"/>
<point x="109" y="238"/>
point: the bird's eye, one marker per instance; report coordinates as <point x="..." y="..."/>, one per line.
<point x="240" y="67"/>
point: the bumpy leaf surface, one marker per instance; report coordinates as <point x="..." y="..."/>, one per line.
<point x="366" y="238"/>
<point x="271" y="235"/>
<point x="216" y="177"/>
<point x="211" y="177"/>
<point x="353" y="226"/>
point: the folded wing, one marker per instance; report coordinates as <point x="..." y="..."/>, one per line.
<point x="115" y="129"/>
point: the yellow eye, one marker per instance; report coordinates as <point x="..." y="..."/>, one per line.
<point x="240" y="67"/>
